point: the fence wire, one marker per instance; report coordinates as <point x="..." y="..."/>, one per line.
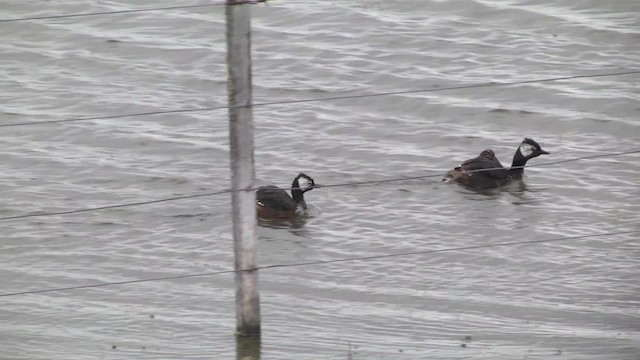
<point x="344" y="184"/>
<point x="130" y="11"/>
<point x="319" y="262"/>
<point x="330" y="98"/>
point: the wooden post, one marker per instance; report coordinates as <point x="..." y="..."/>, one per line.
<point x="242" y="166"/>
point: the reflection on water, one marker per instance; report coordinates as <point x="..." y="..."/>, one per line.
<point x="517" y="189"/>
<point x="293" y="223"/>
<point x="296" y="222"/>
<point x="248" y="347"/>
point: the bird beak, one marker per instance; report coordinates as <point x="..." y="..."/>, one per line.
<point x="542" y="152"/>
<point x="315" y="186"/>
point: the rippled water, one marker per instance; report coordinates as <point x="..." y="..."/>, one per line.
<point x="575" y="299"/>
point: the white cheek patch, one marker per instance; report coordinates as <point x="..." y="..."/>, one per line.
<point x="526" y="149"/>
<point x="303" y="183"/>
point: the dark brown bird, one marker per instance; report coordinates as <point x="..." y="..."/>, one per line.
<point x="486" y="171"/>
<point x="273" y="202"/>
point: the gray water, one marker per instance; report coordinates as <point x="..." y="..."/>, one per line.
<point x="574" y="299"/>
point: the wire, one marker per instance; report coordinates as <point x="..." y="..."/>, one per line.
<point x="105" y="117"/>
<point x="353" y="183"/>
<point x="472" y="247"/>
<point x="114" y="12"/>
<point x="420" y="177"/>
<point x="116" y="206"/>
<point x="320" y="262"/>
<point x="332" y="98"/>
<point x="559" y="161"/>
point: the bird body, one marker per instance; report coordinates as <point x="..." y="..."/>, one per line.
<point x="486" y="171"/>
<point x="274" y="202"/>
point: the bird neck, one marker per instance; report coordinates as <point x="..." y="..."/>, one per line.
<point x="297" y="195"/>
<point x="517" y="166"/>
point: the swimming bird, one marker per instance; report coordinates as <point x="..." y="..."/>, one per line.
<point x="485" y="171"/>
<point x="273" y="202"/>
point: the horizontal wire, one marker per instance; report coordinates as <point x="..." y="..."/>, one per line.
<point x="106" y="207"/>
<point x="589" y="157"/>
<point x="106" y="117"/>
<point x="353" y="183"/>
<point x="472" y="247"/>
<point x="320" y="262"/>
<point x="332" y="98"/>
<point x="420" y="177"/>
<point x="114" y="12"/>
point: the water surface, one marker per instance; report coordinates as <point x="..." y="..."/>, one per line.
<point x="576" y="299"/>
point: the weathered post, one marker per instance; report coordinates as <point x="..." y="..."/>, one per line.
<point x="238" y="14"/>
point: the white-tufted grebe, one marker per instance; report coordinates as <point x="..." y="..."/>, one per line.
<point x="474" y="173"/>
<point x="273" y="202"/>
